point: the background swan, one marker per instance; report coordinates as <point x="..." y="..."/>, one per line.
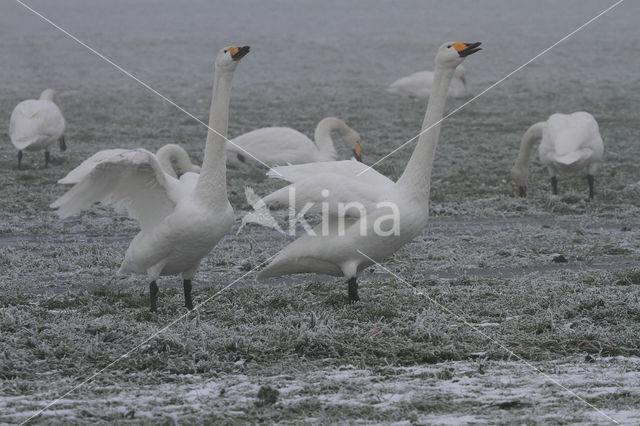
<point x="164" y="156"/>
<point x="570" y="143"/>
<point x="419" y="84"/>
<point x="276" y="146"/>
<point x="36" y="124"/>
<point x="180" y="220"/>
<point x="372" y="199"/>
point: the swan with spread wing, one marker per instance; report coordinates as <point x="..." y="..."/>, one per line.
<point x="180" y="220"/>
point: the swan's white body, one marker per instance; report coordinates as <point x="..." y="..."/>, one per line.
<point x="570" y="143"/>
<point x="36" y="124"/>
<point x="329" y="251"/>
<point x="419" y="84"/>
<point x="118" y="155"/>
<point x="180" y="220"/>
<point x="275" y="146"/>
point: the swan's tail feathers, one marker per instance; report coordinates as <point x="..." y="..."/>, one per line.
<point x="570" y="158"/>
<point x="261" y="214"/>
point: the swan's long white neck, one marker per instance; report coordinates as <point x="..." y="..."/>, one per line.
<point x="174" y="152"/>
<point x="212" y="183"/>
<point x="417" y="174"/>
<point x="530" y="137"/>
<point x="323" y="138"/>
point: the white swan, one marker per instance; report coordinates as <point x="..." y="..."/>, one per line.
<point x="277" y="146"/>
<point x="368" y="216"/>
<point x="36" y="124"/>
<point x="180" y="220"/>
<point x="570" y="143"/>
<point x="419" y="84"/>
<point x="164" y="156"/>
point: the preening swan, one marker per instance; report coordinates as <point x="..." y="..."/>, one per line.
<point x="164" y="156"/>
<point x="36" y="124"/>
<point x="369" y="216"/>
<point x="278" y="146"/>
<point x="180" y="220"/>
<point x="419" y="84"/>
<point x="570" y="143"/>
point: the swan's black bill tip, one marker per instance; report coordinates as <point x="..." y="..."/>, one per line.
<point x="470" y="50"/>
<point x="241" y="53"/>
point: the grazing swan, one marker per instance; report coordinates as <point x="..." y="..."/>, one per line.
<point x="36" y="124"/>
<point x="366" y="216"/>
<point x="570" y="143"/>
<point x="419" y="84"/>
<point x="277" y="146"/>
<point x="164" y="156"/>
<point x="180" y="220"/>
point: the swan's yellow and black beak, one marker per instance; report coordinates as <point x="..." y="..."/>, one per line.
<point x="357" y="152"/>
<point x="466" y="49"/>
<point x="238" y="53"/>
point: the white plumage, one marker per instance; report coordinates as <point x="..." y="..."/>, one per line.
<point x="419" y="84"/>
<point x="570" y="143"/>
<point x="275" y="146"/>
<point x="359" y="203"/>
<point x="36" y="124"/>
<point x="180" y="220"/>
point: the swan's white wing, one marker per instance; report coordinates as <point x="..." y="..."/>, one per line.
<point x="87" y="166"/>
<point x="574" y="138"/>
<point x="34" y="121"/>
<point x="337" y="194"/>
<point x="273" y="146"/>
<point x="133" y="180"/>
<point x="347" y="168"/>
<point x="417" y="84"/>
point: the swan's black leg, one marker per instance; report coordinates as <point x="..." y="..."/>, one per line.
<point x="187" y="294"/>
<point x="153" y="296"/>
<point x="46" y="159"/>
<point x="19" y="159"/>
<point x="554" y="185"/>
<point x="591" y="181"/>
<point x="353" y="290"/>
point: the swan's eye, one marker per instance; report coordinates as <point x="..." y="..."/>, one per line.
<point x="449" y="47"/>
<point x="225" y="50"/>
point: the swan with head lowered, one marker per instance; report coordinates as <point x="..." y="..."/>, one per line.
<point x="36" y="124"/>
<point x="180" y="220"/>
<point x="278" y="146"/>
<point x="570" y="143"/>
<point x="419" y="84"/>
<point x="366" y="216"/>
<point x="165" y="157"/>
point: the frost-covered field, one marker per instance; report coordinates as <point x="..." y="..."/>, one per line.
<point x="291" y="350"/>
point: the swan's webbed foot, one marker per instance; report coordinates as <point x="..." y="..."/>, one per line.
<point x="153" y="296"/>
<point x="46" y="159"/>
<point x="187" y="294"/>
<point x="353" y="290"/>
<point x="591" y="181"/>
<point x="19" y="160"/>
<point x="554" y="185"/>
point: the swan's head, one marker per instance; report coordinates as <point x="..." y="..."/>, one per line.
<point x="50" y="95"/>
<point x="229" y="56"/>
<point x="452" y="53"/>
<point x="352" y="140"/>
<point x="520" y="178"/>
